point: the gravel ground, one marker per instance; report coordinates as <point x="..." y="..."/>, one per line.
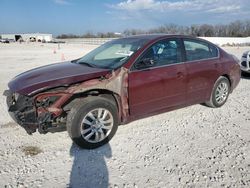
<point x="195" y="146"/>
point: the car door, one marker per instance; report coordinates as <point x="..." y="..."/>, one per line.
<point x="202" y="63"/>
<point x="157" y="79"/>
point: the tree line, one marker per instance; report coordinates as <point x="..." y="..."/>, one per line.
<point x="233" y="29"/>
<point x="90" y="35"/>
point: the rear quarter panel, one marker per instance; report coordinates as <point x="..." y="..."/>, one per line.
<point x="231" y="68"/>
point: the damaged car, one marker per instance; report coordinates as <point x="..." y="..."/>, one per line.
<point x="121" y="81"/>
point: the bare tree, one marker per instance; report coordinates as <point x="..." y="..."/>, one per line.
<point x="233" y="29"/>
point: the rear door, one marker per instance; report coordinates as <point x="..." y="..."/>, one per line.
<point x="202" y="63"/>
<point x="161" y="86"/>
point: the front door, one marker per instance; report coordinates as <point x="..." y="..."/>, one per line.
<point x="157" y="79"/>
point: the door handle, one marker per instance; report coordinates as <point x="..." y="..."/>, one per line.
<point x="180" y="75"/>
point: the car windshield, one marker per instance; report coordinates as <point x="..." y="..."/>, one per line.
<point x="113" y="54"/>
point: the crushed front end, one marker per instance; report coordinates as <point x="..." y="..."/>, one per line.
<point x="46" y="110"/>
<point x="22" y="110"/>
<point x="32" y="112"/>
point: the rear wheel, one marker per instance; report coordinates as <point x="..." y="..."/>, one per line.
<point x="220" y="92"/>
<point x="93" y="122"/>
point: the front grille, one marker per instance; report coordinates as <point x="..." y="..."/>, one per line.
<point x="244" y="63"/>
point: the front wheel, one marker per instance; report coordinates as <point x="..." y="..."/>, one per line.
<point x="220" y="92"/>
<point x="93" y="122"/>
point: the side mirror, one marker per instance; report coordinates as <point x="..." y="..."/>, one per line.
<point x="145" y="63"/>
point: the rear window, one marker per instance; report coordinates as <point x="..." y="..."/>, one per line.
<point x="197" y="50"/>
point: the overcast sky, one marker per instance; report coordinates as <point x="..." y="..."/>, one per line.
<point x="80" y="16"/>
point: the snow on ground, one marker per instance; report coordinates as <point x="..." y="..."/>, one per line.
<point x="195" y="146"/>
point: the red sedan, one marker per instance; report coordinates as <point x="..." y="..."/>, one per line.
<point x="121" y="81"/>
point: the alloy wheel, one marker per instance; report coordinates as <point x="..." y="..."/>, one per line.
<point x="221" y="92"/>
<point x="97" y="125"/>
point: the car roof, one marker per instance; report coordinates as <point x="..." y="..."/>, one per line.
<point x="156" y="36"/>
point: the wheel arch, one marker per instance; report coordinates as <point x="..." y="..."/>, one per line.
<point x="228" y="77"/>
<point x="105" y="93"/>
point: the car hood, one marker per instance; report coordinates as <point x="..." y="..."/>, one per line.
<point x="54" y="75"/>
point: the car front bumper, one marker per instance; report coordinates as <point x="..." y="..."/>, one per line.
<point x="22" y="111"/>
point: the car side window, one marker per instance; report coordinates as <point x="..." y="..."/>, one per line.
<point x="165" y="52"/>
<point x="197" y="50"/>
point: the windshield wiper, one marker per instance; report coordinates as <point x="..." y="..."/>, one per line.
<point x="85" y="63"/>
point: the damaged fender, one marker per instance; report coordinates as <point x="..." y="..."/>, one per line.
<point x="116" y="82"/>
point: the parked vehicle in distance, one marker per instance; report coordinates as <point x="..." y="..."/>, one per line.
<point x="245" y="62"/>
<point x="4" y="41"/>
<point x="121" y="81"/>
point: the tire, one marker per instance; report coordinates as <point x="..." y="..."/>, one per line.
<point x="219" y="93"/>
<point x="92" y="122"/>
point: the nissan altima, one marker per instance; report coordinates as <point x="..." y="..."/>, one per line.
<point x="121" y="81"/>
